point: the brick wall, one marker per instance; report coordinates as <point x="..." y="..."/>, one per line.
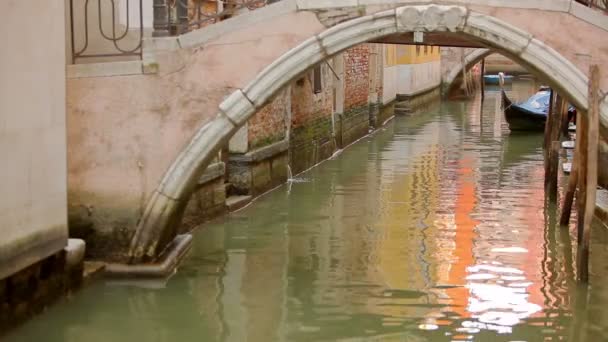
<point x="268" y="125"/>
<point x="356" y="77"/>
<point x="311" y="131"/>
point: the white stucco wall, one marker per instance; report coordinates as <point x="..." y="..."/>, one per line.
<point x="33" y="214"/>
<point x="410" y="79"/>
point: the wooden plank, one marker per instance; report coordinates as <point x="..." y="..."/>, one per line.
<point x="591" y="173"/>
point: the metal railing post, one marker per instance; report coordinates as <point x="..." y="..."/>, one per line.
<point x="160" y="18"/>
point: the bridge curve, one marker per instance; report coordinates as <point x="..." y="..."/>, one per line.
<point x="499" y="28"/>
<point x="470" y="59"/>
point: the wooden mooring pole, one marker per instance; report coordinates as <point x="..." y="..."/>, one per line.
<point x="552" y="147"/>
<point x="481" y="81"/>
<point x="590" y="148"/>
<point x="564" y="219"/>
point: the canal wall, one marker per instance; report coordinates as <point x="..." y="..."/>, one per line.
<point x="412" y="76"/>
<point x="33" y="211"/>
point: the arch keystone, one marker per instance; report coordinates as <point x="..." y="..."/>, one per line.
<point x="431" y="18"/>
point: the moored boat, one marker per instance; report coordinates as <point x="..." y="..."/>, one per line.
<point x="494" y="79"/>
<point x="530" y="115"/>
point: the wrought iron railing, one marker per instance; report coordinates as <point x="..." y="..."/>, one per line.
<point x="116" y="28"/>
<point x="106" y="28"/>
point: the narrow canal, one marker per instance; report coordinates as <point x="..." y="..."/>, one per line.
<point x="434" y="228"/>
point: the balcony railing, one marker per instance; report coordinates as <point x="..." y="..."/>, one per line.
<point x="102" y="29"/>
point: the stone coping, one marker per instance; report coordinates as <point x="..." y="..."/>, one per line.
<point x="212" y="172"/>
<point x="122" y="68"/>
<point x="262" y="153"/>
<point x="405" y="97"/>
<point x="176" y="251"/>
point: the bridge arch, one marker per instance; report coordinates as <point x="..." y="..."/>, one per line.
<point x="470" y="59"/>
<point x="164" y="209"/>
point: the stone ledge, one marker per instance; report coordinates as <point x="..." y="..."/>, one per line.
<point x="170" y="259"/>
<point x="262" y="153"/>
<point x="406" y="97"/>
<point x="124" y="68"/>
<point x="589" y="15"/>
<point x="212" y="172"/>
<point x="201" y="36"/>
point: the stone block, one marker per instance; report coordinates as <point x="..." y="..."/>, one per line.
<point x="239" y="143"/>
<point x="212" y="172"/>
<point x="124" y="68"/>
<point x="260" y="177"/>
<point x="279" y="167"/>
<point x="237" y="107"/>
<point x="240" y="177"/>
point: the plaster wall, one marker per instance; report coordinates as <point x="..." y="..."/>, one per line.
<point x="125" y="131"/>
<point x="33" y="214"/>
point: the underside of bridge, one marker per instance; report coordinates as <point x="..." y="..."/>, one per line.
<point x="439" y="25"/>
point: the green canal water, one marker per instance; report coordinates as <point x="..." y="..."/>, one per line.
<point x="434" y="228"/>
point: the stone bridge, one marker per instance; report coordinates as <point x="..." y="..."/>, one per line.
<point x="141" y="133"/>
<point x="453" y="68"/>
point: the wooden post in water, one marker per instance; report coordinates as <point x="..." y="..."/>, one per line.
<point x="548" y="126"/>
<point x="582" y="126"/>
<point x="563" y="104"/>
<point x="564" y="219"/>
<point x="551" y="176"/>
<point x="481" y="82"/>
<point x="591" y="147"/>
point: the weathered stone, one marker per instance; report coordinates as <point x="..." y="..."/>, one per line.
<point x="74" y="253"/>
<point x="260" y="177"/>
<point x="237" y="107"/>
<point x="104" y="69"/>
<point x="239" y="143"/>
<point x="262" y="153"/>
<point x="80" y="222"/>
<point x="278" y="169"/>
<point x="237" y="202"/>
<point x="212" y="172"/>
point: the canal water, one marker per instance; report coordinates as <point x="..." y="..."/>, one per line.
<point x="434" y="228"/>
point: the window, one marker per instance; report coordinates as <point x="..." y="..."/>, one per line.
<point x="426" y="49"/>
<point x="316" y="80"/>
<point x="417" y="50"/>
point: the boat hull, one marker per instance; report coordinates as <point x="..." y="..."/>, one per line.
<point x="521" y="119"/>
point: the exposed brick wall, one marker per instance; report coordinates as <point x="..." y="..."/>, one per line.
<point x="268" y="125"/>
<point x="311" y="132"/>
<point x="356" y="77"/>
<point x="307" y="106"/>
